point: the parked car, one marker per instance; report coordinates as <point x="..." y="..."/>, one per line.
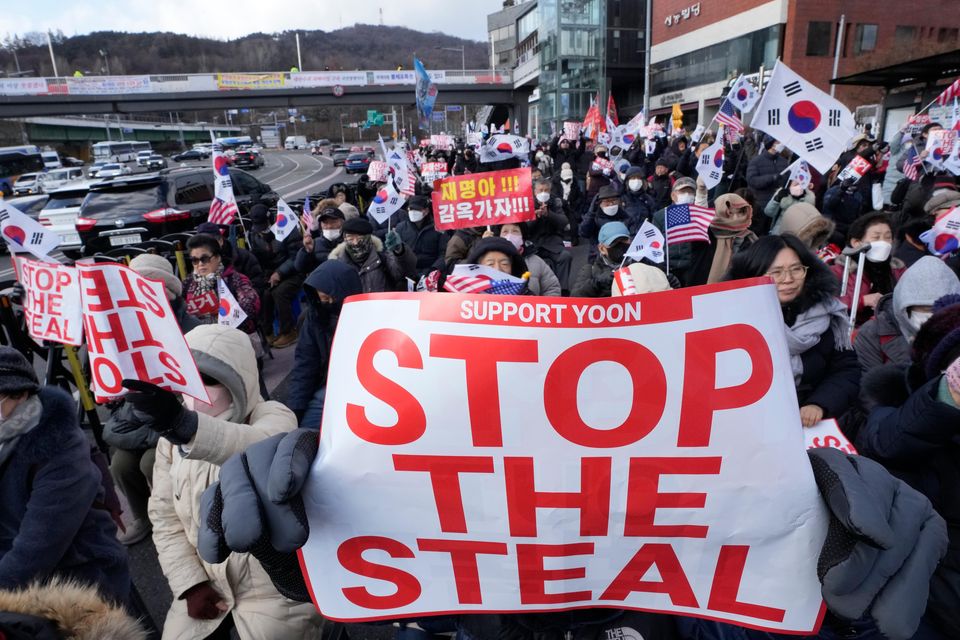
<point x="113" y="170"/>
<point x="190" y="154"/>
<point x="60" y="214"/>
<point x="70" y="161"/>
<point x="58" y="177"/>
<point x="27" y="184"/>
<point x="357" y="163"/>
<point x="142" y="157"/>
<point x="156" y="162"/>
<point x="340" y="157"/>
<point x="132" y="209"/>
<point x="205" y="149"/>
<point x="248" y="159"/>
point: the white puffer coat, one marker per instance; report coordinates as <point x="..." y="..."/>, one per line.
<point x="181" y="474"/>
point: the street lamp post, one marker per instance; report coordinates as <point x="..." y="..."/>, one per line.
<point x="106" y="59"/>
<point x="343" y="139"/>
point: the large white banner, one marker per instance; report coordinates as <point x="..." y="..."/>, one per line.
<point x="108" y="85"/>
<point x="503" y="454"/>
<point x="328" y="78"/>
<point x="132" y="333"/>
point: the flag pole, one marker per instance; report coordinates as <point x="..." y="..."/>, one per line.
<point x="666" y="245"/>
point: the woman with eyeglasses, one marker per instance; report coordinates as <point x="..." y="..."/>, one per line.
<point x="200" y="288"/>
<point x="825" y="367"/>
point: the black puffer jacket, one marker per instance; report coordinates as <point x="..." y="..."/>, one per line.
<point x="764" y="177"/>
<point x="915" y="436"/>
<point x="426" y="242"/>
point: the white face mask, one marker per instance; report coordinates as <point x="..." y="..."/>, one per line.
<point x="685" y="198"/>
<point x="796" y="190"/>
<point x="416" y="215"/>
<point x="543" y="196"/>
<point x="635" y="185"/>
<point x="331" y="234"/>
<point x="516" y="239"/>
<point x="778" y="148"/>
<point x="879" y="251"/>
<point x="610" y="210"/>
<point x="917" y="318"/>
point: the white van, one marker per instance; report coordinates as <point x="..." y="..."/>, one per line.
<point x="59" y="177"/>
<point x="51" y="160"/>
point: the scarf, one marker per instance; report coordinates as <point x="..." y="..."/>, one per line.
<point x="23" y="419"/>
<point x="809" y="327"/>
<point x="728" y="233"/>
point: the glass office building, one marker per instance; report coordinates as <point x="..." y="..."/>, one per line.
<point x="572" y="41"/>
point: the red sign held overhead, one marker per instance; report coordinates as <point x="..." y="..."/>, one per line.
<point x="477" y="200"/>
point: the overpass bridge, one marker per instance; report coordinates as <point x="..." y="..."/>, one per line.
<point x="91" y="95"/>
<point x="88" y="129"/>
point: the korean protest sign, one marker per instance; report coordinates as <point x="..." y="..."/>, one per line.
<point x="52" y="302"/>
<point x="482" y="199"/>
<point x="432" y="171"/>
<point x="855" y="169"/>
<point x="571" y="131"/>
<point x="377" y="171"/>
<point x="533" y="454"/>
<point x="132" y="333"/>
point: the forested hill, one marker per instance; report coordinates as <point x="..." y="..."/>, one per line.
<point x="357" y="47"/>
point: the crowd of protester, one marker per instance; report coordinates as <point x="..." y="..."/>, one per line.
<point x="891" y="380"/>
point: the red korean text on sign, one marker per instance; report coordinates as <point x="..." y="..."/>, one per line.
<point x="477" y="200"/>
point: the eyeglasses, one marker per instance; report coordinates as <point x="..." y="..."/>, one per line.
<point x="796" y="272"/>
<point x="205" y="259"/>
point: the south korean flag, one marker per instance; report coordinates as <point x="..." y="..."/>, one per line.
<point x="710" y="165"/>
<point x="386" y="202"/>
<point x="743" y="95"/>
<point x="504" y="147"/>
<point x="808" y="121"/>
<point x="23" y="233"/>
<point x="229" y="313"/>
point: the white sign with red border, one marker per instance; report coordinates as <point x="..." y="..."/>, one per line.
<point x="484" y="453"/>
<point x="52" y="302"/>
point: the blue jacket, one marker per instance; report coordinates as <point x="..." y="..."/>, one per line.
<point x="49" y="519"/>
<point x="309" y="373"/>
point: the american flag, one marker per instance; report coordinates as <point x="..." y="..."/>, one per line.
<point x="727" y="116"/>
<point x="911" y="167"/>
<point x="483" y="284"/>
<point x="688" y="223"/>
<point x="949" y="93"/>
<point x="222" y="212"/>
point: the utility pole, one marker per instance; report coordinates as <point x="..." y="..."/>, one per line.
<point x="52" y="59"/>
<point x="646" y="60"/>
<point x="836" y="54"/>
<point x="299" y="60"/>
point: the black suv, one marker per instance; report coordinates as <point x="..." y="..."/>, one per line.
<point x="132" y="209"/>
<point x="248" y="159"/>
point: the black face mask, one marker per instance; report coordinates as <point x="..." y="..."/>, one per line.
<point x="615" y="254"/>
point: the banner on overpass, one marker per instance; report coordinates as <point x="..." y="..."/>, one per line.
<point x="249" y="80"/>
<point x="310" y="79"/>
<point x="405" y="77"/>
<point x="108" y="85"/>
<point x="23" y="86"/>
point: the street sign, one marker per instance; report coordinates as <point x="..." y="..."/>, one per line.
<point x="439" y="116"/>
<point x="454" y="107"/>
<point x="337" y="90"/>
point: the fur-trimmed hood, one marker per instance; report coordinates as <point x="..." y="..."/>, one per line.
<point x="376" y="246"/>
<point x="78" y="611"/>
<point x="804" y="221"/>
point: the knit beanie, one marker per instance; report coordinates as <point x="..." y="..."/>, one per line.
<point x="155" y="267"/>
<point x="938" y="342"/>
<point x="16" y="374"/>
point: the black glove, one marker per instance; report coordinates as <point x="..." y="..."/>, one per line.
<point x="162" y="411"/>
<point x="18" y="293"/>
<point x="883" y="543"/>
<point x="256" y="508"/>
<point x="779" y="195"/>
<point x="674" y="281"/>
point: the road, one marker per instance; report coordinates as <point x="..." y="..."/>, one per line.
<point x="292" y="174"/>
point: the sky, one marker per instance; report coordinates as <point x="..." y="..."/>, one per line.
<point x="233" y="18"/>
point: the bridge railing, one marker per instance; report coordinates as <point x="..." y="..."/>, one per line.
<point x="256" y="81"/>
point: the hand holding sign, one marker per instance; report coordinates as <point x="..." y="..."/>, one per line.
<point x="161" y="410"/>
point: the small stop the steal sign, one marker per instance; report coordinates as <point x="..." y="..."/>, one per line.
<point x="518" y="454"/>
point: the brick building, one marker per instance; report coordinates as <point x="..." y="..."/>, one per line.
<point x="699" y="46"/>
